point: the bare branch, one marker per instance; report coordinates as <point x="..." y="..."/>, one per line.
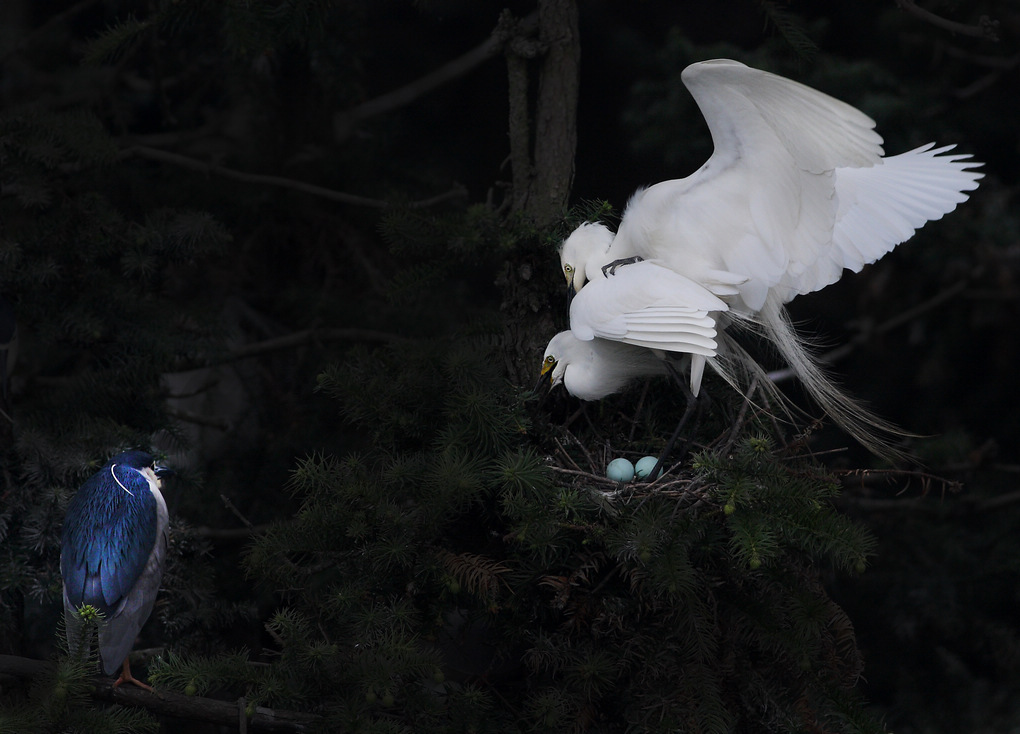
<point x="199" y="420"/>
<point x="344" y="122"/>
<point x="289" y="341"/>
<point x="237" y="513"/>
<point x="165" y="156"/>
<point x="999" y="501"/>
<point x="312" y="335"/>
<point x="986" y="27"/>
<point x="903" y="317"/>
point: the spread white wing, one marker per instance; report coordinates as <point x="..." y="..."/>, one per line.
<point x="883" y="205"/>
<point x="795" y="190"/>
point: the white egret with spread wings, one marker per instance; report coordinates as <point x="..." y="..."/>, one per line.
<point x="796" y="191"/>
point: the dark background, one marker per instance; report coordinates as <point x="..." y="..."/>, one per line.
<point x="135" y="307"/>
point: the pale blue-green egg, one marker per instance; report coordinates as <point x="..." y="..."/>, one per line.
<point x="645" y="465"/>
<point x="620" y="470"/>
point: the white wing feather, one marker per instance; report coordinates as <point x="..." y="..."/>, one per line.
<point x="746" y="109"/>
<point x="796" y="191"/>
<point x="645" y="304"/>
<point x="764" y="204"/>
<point x="881" y="206"/>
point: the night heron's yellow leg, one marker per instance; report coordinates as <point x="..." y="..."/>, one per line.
<point x="126" y="677"/>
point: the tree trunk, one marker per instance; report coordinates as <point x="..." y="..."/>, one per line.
<point x="542" y="180"/>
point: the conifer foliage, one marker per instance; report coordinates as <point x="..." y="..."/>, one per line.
<point x="446" y="576"/>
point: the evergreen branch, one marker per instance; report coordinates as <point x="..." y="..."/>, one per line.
<point x="985" y="28"/>
<point x="480" y="575"/>
<point x="107" y="46"/>
<point x="192" y="708"/>
<point x="176" y="159"/>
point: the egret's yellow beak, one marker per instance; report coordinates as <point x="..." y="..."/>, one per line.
<point x="569" y="275"/>
<point x="547" y="365"/>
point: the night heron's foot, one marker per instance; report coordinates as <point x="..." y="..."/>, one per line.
<point x="126" y="677"/>
<point x="610" y="268"/>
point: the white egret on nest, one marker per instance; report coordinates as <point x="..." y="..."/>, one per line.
<point x="593" y="369"/>
<point x="796" y="190"/>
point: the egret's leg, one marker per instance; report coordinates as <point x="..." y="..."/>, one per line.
<point x="693" y="404"/>
<point x="126" y="677"/>
<point x="611" y="267"/>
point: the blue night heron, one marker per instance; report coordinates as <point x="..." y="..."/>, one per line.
<point x="112" y="553"/>
<point x="796" y="191"/>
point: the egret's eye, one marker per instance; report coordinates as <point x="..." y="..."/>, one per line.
<point x="568" y="269"/>
<point x="550" y="359"/>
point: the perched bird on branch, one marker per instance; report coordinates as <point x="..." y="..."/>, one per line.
<point x="112" y="552"/>
<point x="796" y="191"/>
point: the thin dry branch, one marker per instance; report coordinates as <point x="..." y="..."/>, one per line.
<point x="193" y="164"/>
<point x="927" y="479"/>
<point x="210" y="421"/>
<point x="289" y="341"/>
<point x="236" y="512"/>
<point x="985" y="28"/>
<point x="881" y="504"/>
<point x="344" y="122"/>
<point x="904" y="317"/>
<point x="313" y="335"/>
